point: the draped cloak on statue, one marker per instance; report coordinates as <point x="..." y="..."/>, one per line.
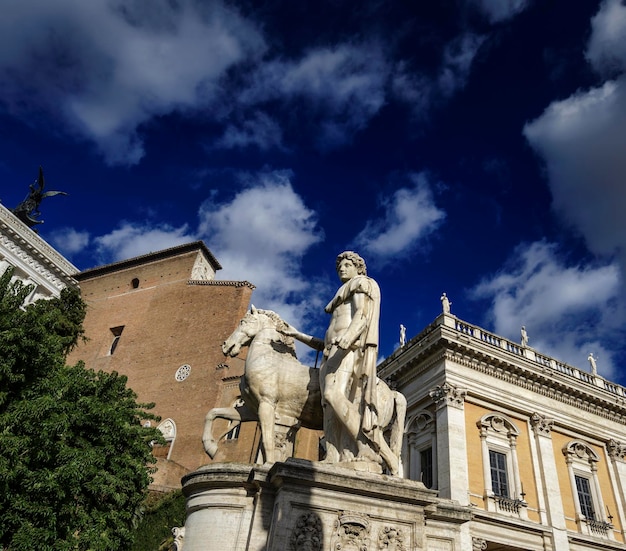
<point x="367" y="343"/>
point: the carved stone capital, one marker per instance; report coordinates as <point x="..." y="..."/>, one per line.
<point x="541" y="424"/>
<point x="616" y="450"/>
<point x="448" y="395"/>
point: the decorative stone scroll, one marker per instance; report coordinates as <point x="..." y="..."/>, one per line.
<point x="352" y="533"/>
<point x="541" y="424"/>
<point x="478" y="544"/>
<point x="446" y="394"/>
<point x="307" y="534"/>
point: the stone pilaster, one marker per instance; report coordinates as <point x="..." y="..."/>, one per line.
<point x="617" y="456"/>
<point x="452" y="462"/>
<point x="549" y="482"/>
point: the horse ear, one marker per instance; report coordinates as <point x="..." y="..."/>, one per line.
<point x="253" y="309"/>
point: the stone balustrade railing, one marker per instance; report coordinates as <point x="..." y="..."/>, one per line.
<point x="530" y="354"/>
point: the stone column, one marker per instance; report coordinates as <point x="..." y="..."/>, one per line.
<point x="542" y="428"/>
<point x="452" y="469"/>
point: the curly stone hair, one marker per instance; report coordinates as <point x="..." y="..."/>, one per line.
<point x="356" y="259"/>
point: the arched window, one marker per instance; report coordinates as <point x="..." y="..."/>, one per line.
<point x="420" y="457"/>
<point x="582" y="467"/>
<point x="168" y="429"/>
<point x="503" y="487"/>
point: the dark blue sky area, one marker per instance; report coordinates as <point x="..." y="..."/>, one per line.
<point x="473" y="147"/>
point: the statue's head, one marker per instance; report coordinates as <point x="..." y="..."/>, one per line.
<point x="357" y="260"/>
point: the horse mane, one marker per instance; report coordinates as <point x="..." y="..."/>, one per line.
<point x="279" y="324"/>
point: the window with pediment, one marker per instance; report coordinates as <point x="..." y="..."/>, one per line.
<point x="582" y="466"/>
<point x="503" y="491"/>
<point x="421" y="448"/>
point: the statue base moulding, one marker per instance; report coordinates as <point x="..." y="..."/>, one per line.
<point x="300" y="505"/>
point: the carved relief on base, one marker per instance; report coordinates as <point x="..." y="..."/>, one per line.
<point x="307" y="535"/>
<point x="391" y="538"/>
<point x="352" y="533"/>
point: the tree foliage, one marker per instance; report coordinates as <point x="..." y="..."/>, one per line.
<point x="74" y="456"/>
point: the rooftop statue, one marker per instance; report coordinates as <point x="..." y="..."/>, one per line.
<point x="28" y="210"/>
<point x="592" y="363"/>
<point x="445" y="303"/>
<point x="524" y="335"/>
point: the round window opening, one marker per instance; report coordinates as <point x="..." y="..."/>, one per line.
<point x="182" y="372"/>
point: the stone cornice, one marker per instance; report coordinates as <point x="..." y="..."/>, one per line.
<point x="221" y="282"/>
<point x="449" y="339"/>
<point x="547" y="386"/>
<point x="24" y="247"/>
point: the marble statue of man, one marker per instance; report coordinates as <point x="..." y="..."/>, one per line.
<point x="524" y="335"/>
<point x="445" y="303"/>
<point x="592" y="363"/>
<point x="348" y="369"/>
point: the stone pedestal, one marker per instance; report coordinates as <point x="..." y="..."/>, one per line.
<point x="306" y="506"/>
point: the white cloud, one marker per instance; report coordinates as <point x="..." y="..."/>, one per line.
<point x="259" y="130"/>
<point x="583" y="140"/>
<point x="458" y="57"/>
<point x="410" y="215"/>
<point x="262" y="235"/>
<point x="344" y="85"/>
<point x="412" y="88"/>
<point x="70" y="241"/>
<point x="568" y="311"/>
<point x="106" y="67"/>
<point x="130" y="240"/>
<point x="606" y="50"/>
<point x="421" y="91"/>
<point x="497" y="11"/>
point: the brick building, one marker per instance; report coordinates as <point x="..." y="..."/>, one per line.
<point x="160" y="319"/>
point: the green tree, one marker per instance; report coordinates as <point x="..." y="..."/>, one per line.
<point x="75" y="460"/>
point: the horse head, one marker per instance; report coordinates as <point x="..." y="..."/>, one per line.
<point x="243" y="334"/>
<point x="251" y="325"/>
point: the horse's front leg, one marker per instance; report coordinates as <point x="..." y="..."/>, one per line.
<point x="208" y="441"/>
<point x="266" y="420"/>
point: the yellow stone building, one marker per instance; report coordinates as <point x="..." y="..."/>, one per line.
<point x="534" y="446"/>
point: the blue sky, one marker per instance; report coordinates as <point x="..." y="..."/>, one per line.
<point x="473" y="147"/>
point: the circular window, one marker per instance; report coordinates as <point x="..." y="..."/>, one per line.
<point x="182" y="372"/>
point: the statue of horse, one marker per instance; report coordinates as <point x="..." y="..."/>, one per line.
<point x="277" y="389"/>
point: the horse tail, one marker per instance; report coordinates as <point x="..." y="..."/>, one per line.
<point x="397" y="429"/>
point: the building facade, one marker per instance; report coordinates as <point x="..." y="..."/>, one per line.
<point x="160" y="320"/>
<point x="534" y="446"/>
